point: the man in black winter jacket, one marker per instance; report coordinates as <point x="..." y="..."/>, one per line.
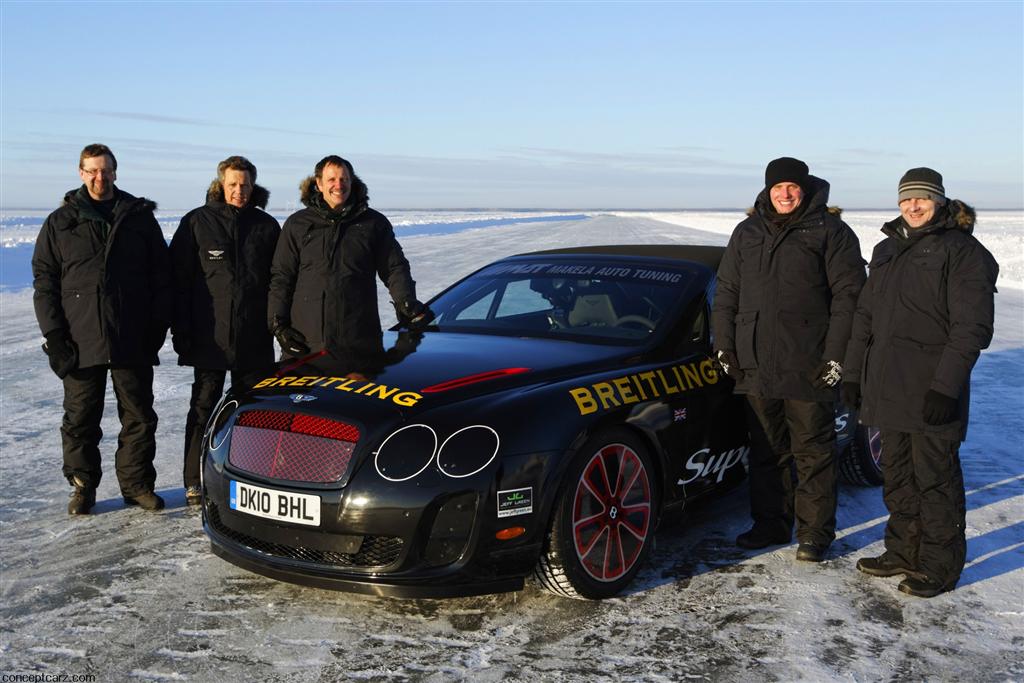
<point x="787" y="287"/>
<point x="221" y="253"/>
<point x="923" y="318"/>
<point x="102" y="298"/>
<point x="323" y="290"/>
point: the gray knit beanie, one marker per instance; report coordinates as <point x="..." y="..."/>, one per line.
<point x="922" y="183"/>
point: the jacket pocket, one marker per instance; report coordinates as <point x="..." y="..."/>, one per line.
<point x="878" y="271"/>
<point x="746" y="339"/>
<point x="801" y="340"/>
<point x="750" y="259"/>
<point x="222" y="322"/>
<point x="909" y="371"/>
<point x="308" y="315"/>
<point x="82" y="311"/>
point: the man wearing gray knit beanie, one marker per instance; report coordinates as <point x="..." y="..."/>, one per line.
<point x="924" y="316"/>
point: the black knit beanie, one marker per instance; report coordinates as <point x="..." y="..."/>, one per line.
<point x="922" y="183"/>
<point x="786" y="170"/>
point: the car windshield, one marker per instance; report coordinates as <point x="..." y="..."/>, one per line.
<point x="618" y="302"/>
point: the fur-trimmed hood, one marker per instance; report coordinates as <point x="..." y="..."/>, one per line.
<point x="834" y="210"/>
<point x="816" y="194"/>
<point x="80" y="198"/>
<point x="955" y="215"/>
<point x="260" y="195"/>
<point x="312" y="198"/>
<point x="963" y="215"/>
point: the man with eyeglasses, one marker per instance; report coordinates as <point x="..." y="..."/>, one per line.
<point x="102" y="298"/>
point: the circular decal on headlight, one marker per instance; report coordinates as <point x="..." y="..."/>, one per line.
<point x="218" y="422"/>
<point x="467" y="451"/>
<point x="406" y="452"/>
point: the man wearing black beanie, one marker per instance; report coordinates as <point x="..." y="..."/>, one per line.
<point x="923" y="318"/>
<point x="787" y="288"/>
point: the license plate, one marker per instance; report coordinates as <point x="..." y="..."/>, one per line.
<point x="298" y="508"/>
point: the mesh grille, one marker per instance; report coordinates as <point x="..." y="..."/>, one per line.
<point x="301" y="424"/>
<point x="292" y="447"/>
<point x="287" y="456"/>
<point x="375" y="551"/>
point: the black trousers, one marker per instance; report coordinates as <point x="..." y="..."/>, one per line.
<point x="785" y="434"/>
<point x="923" y="489"/>
<point x="207" y="388"/>
<point x="80" y="431"/>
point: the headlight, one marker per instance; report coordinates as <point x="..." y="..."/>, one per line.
<point x="467" y="451"/>
<point x="406" y="452"/>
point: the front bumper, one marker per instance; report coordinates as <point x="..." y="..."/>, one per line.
<point x="410" y="544"/>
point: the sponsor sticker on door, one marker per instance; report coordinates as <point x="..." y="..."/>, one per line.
<point x="515" y="502"/>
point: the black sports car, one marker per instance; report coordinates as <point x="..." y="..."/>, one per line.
<point x="558" y="406"/>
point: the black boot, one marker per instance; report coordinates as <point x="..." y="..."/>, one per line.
<point x="82" y="498"/>
<point x="923" y="587"/>
<point x="811" y="552"/>
<point x="881" y="566"/>
<point x="147" y="501"/>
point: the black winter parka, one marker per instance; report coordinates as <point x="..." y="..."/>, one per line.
<point x="785" y="297"/>
<point x="923" y="318"/>
<point x="323" y="280"/>
<point x="221" y="257"/>
<point x="107" y="284"/>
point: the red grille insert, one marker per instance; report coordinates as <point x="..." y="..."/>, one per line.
<point x="292" y="447"/>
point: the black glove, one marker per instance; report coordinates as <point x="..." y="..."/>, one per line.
<point x="291" y="340"/>
<point x="828" y="375"/>
<point x="851" y="395"/>
<point x="730" y="366"/>
<point x="182" y="344"/>
<point x="61" y="352"/>
<point x="405" y="344"/>
<point x="414" y="314"/>
<point x="939" y="409"/>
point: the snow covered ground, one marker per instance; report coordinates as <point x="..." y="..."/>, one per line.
<point x="130" y="595"/>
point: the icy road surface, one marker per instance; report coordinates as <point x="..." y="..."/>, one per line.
<point x="130" y="595"/>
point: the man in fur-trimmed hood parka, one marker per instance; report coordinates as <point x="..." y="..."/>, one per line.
<point x="923" y="318"/>
<point x="323" y="291"/>
<point x="221" y="254"/>
<point x="787" y="288"/>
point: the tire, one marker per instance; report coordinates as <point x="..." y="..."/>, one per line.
<point x="860" y="462"/>
<point x="604" y="520"/>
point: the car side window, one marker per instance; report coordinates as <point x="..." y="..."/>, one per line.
<point x="520" y="298"/>
<point x="478" y="309"/>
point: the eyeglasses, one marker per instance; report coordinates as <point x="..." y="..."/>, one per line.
<point x="102" y="172"/>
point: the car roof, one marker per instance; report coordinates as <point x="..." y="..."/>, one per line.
<point x="705" y="255"/>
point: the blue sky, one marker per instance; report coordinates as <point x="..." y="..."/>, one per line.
<point x="586" y="105"/>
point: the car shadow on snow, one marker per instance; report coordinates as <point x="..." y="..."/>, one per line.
<point x="703" y="540"/>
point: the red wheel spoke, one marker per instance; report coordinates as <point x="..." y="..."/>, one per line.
<point x="584" y="552"/>
<point x="616" y="541"/>
<point x="586" y="521"/>
<point x="629" y="487"/>
<point x="599" y="462"/>
<point x="602" y="499"/>
<point x="639" y="534"/>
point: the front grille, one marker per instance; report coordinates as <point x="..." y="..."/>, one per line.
<point x="375" y="551"/>
<point x="292" y="447"/>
